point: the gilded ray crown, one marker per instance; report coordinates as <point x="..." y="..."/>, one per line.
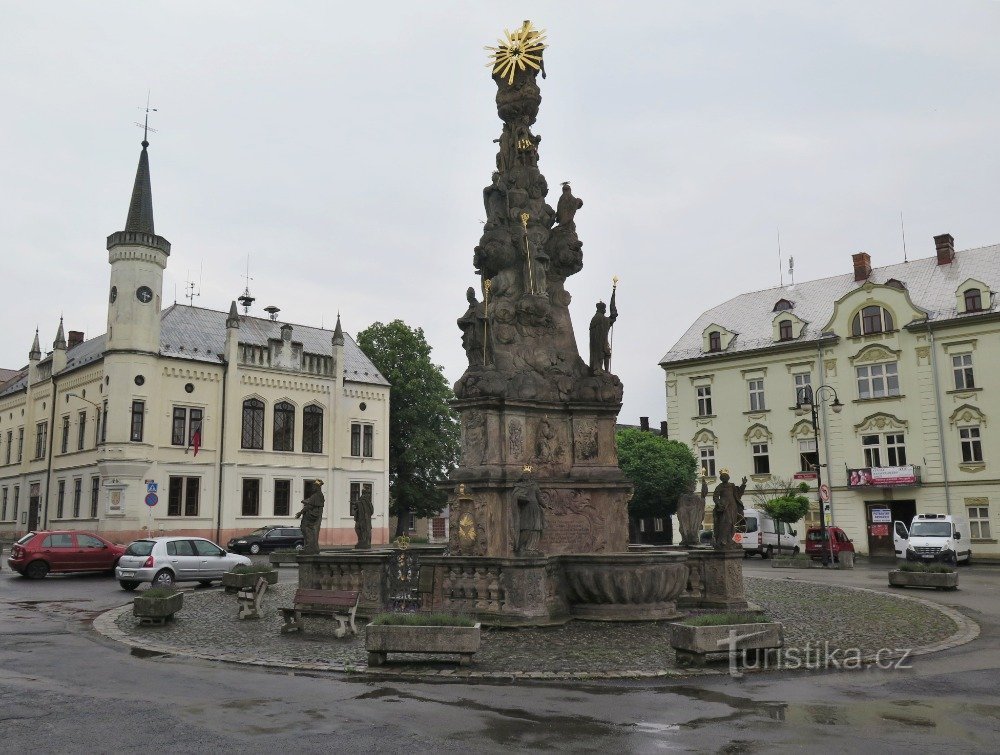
<point x="516" y="51"/>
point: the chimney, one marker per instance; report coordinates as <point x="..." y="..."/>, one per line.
<point x="644" y="424"/>
<point x="945" y="245"/>
<point x="862" y="266"/>
<point x="663" y="428"/>
<point x="75" y="338"/>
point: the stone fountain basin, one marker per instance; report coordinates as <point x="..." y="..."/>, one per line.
<point x="624" y="586"/>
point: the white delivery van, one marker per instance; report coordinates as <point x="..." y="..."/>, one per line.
<point x="760" y="535"/>
<point x="936" y="537"/>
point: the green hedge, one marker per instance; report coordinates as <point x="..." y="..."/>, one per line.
<point x="423" y="620"/>
<point x="720" y="619"/>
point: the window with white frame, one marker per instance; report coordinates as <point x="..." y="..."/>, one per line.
<point x="704" y="393"/>
<point x="878" y="380"/>
<point x="871" y="319"/>
<point x="801" y="380"/>
<point x="979" y="522"/>
<point x="761" y="460"/>
<point x="362" y="439"/>
<point x="755" y="389"/>
<point x="972" y="444"/>
<point x="707" y="455"/>
<point x="808" y="456"/>
<point x="872" y="447"/>
<point x="888" y="448"/>
<point x="962" y="366"/>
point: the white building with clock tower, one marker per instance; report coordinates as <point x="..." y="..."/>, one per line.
<point x="186" y="419"/>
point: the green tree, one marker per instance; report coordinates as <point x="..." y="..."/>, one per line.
<point x="423" y="429"/>
<point x="659" y="470"/>
<point x="788" y="507"/>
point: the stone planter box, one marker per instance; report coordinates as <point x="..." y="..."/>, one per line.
<point x="157" y="610"/>
<point x="692" y="643"/>
<point x="236" y="581"/>
<point x="283" y="559"/>
<point x="933" y="580"/>
<point x="382" y="639"/>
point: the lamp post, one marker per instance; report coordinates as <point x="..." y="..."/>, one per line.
<point x="805" y="401"/>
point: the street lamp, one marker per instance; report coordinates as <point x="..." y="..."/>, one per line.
<point x="805" y="401"/>
<point x="77" y="395"/>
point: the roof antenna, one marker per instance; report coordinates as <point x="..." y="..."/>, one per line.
<point x="902" y="230"/>
<point x="145" y="123"/>
<point x="193" y="291"/>
<point x="791" y="270"/>
<point x="781" y="270"/>
<point x="246" y="300"/>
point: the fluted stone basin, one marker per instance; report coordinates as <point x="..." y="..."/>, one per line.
<point x="624" y="586"/>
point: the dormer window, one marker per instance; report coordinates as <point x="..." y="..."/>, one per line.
<point x="871" y="319"/>
<point x="715" y="341"/>
<point x="782" y="305"/>
<point x="785" y="330"/>
<point x="895" y="283"/>
<point x="973" y="300"/>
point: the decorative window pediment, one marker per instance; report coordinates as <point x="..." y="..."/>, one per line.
<point x="875" y="352"/>
<point x="716" y="338"/>
<point x="973" y="296"/>
<point x="967" y="414"/>
<point x="757" y="433"/>
<point x="704" y="438"/>
<point x="880" y="422"/>
<point x="802" y="429"/>
<point x="873" y="309"/>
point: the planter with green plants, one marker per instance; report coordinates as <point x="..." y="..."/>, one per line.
<point x="157" y="605"/>
<point x="934" y="576"/>
<point x="435" y="633"/>
<point x="242" y="577"/>
<point x="696" y="637"/>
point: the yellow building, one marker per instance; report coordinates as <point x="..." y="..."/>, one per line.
<point x="907" y="348"/>
<point x="189" y="420"/>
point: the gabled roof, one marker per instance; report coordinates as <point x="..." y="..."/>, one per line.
<point x="930" y="286"/>
<point x="198" y="334"/>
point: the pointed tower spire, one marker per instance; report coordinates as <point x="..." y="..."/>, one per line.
<point x="233" y="321"/>
<point x="36" y="350"/>
<point x="140" y="209"/>
<point x="60" y="342"/>
<point x="338" y="334"/>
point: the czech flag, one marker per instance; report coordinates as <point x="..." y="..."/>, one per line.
<point x="195" y="440"/>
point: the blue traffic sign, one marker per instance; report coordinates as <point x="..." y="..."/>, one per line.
<point x="152" y="499"/>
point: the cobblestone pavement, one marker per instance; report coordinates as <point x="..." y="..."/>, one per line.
<point x="845" y="618"/>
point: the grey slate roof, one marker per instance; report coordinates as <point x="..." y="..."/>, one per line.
<point x="199" y="335"/>
<point x="931" y="287"/>
<point x="140" y="208"/>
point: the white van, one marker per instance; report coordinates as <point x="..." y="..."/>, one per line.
<point x="936" y="537"/>
<point x="760" y="535"/>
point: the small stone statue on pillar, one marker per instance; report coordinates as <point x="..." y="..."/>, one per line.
<point x="728" y="511"/>
<point x="364" y="510"/>
<point x="691" y="512"/>
<point x="530" y="515"/>
<point x="312" y="518"/>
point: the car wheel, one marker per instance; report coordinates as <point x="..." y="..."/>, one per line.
<point x="768" y="552"/>
<point x="128" y="584"/>
<point x="298" y="545"/>
<point x="36" y="570"/>
<point x="163" y="578"/>
<point x="255" y="548"/>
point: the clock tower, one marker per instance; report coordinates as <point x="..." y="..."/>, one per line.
<point x="138" y="258"/>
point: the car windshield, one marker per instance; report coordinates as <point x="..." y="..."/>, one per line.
<point x="931" y="529"/>
<point x="751" y="524"/>
<point x="25" y="539"/>
<point x="140" y="548"/>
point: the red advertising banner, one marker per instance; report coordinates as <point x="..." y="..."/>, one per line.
<point x="879" y="530"/>
<point x="882" y="477"/>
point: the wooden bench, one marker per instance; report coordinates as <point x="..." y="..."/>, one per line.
<point x="335" y="604"/>
<point x="249" y="599"/>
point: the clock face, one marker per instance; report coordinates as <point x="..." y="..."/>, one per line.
<point x="144" y="294"/>
<point x="114" y="293"/>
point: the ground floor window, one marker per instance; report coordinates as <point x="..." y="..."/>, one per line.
<point x="183" y="496"/>
<point x="282" y="497"/>
<point x="60" y="499"/>
<point x="251" y="496"/>
<point x="359" y="489"/>
<point x="77" y="496"/>
<point x="3" y="511"/>
<point x="979" y="522"/>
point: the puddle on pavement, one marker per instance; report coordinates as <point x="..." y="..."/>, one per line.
<point x="143" y="653"/>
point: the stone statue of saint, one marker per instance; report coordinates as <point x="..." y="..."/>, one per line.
<point x="312" y="517"/>
<point x="691" y="512"/>
<point x="364" y="510"/>
<point x="728" y="511"/>
<point x="535" y="267"/>
<point x="530" y="516"/>
<point x="600" y="326"/>
<point x="473" y="327"/>
<point x="567" y="206"/>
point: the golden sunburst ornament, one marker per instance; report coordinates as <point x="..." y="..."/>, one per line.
<point x="518" y="50"/>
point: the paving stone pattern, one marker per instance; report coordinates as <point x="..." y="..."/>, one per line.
<point x="845" y="618"/>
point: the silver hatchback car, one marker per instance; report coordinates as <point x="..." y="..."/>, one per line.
<point x="165" y="560"/>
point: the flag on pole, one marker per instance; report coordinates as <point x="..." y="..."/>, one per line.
<point x="195" y="440"/>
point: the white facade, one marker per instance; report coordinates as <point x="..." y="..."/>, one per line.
<point x="909" y="350"/>
<point x="88" y="433"/>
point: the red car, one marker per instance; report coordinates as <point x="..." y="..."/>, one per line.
<point x="818" y="548"/>
<point x="63" y="551"/>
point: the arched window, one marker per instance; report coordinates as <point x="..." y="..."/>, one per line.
<point x="283" y="438"/>
<point x="253" y="424"/>
<point x="312" y="429"/>
<point x="871" y="319"/>
<point x="973" y="300"/>
<point x="782" y="305"/>
<point x="715" y="341"/>
<point x="785" y="330"/>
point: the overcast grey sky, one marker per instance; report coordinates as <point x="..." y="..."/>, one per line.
<point x="344" y="147"/>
